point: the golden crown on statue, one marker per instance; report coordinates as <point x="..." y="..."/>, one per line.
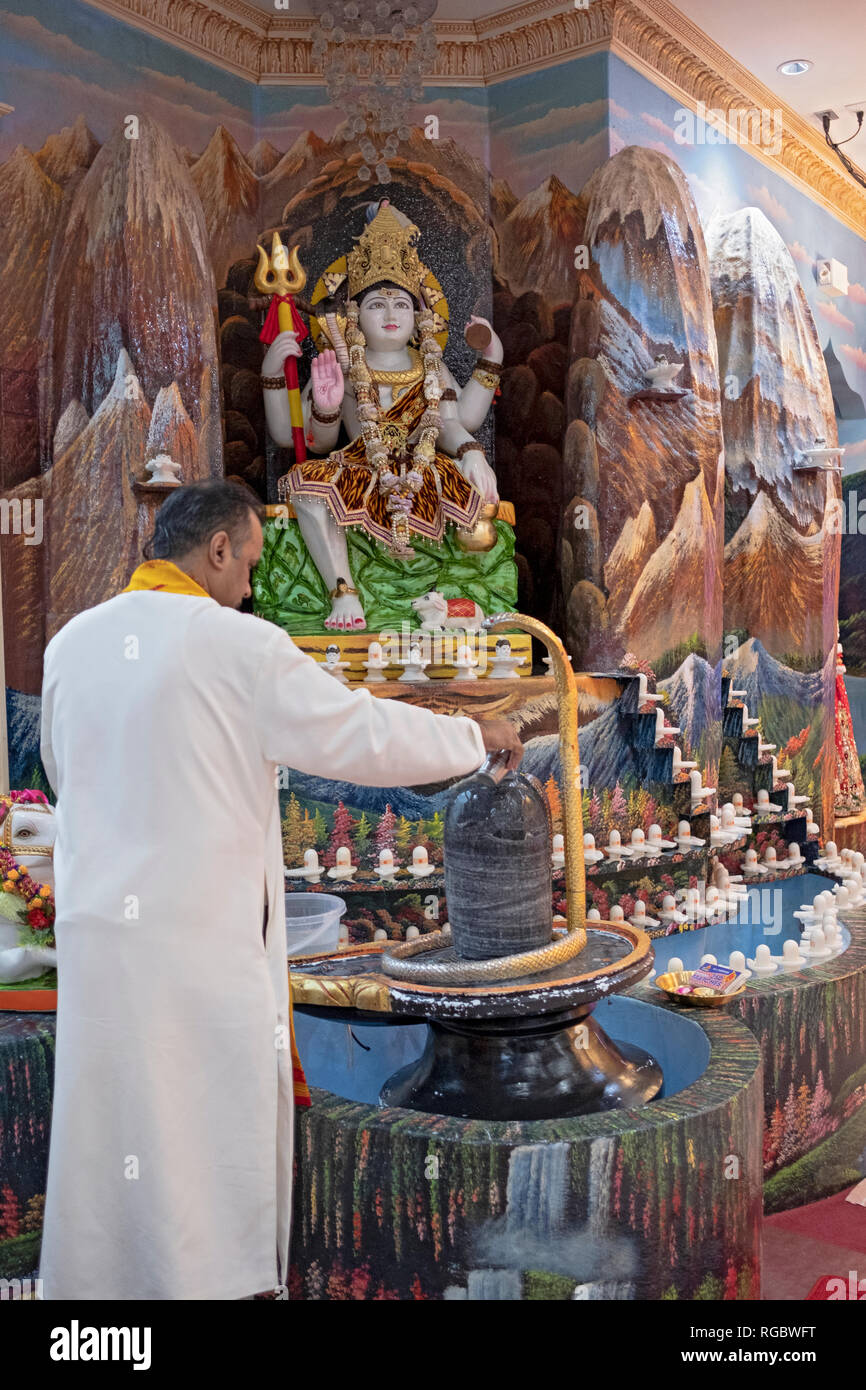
<point x="387" y="250"/>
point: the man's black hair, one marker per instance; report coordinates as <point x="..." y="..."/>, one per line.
<point x="192" y="514"/>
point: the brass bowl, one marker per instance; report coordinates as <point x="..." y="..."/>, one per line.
<point x="484" y="535"/>
<point x="672" y="978"/>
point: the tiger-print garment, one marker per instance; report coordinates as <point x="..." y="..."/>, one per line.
<point x="349" y="487"/>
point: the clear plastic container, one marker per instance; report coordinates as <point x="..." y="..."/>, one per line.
<point x="313" y="923"/>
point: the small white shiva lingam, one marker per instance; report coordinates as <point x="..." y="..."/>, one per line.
<point x="344" y="868"/>
<point x="812" y="827"/>
<point x="699" y="791"/>
<point x="638" y="845"/>
<point x="615" y="847"/>
<point x="655" y="842"/>
<point x="503" y="664"/>
<point x="312" y="870"/>
<point x="662" y="376"/>
<point x="163" y="470"/>
<point x="764" y="747"/>
<point x="333" y="665"/>
<point x="737" y="694"/>
<point x="465" y="664"/>
<point x="721" y="835"/>
<point x="732" y="819"/>
<point x="763" y="805"/>
<point x="747" y="722"/>
<point x="387" y="867"/>
<point x="793" y="799"/>
<point x="413" y="668"/>
<point x="590" y="853"/>
<point x="670" y="912"/>
<point x="663" y="730"/>
<point x="811" y="913"/>
<point x="771" y="859"/>
<point x="751" y="867"/>
<point x="780" y="774"/>
<point x="763" y="963"/>
<point x="421" y="866"/>
<point x="685" y="838"/>
<point x="822" y="456"/>
<point x="557" y="857"/>
<point x="375" y="665"/>
<point x="795" y="858"/>
<point x="791" y="957"/>
<point x="680" y="764"/>
<point x="831" y="860"/>
<point x="645" y="696"/>
<point x="639" y="917"/>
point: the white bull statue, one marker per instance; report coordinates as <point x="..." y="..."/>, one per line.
<point x="27" y="830"/>
<point x="441" y="614"/>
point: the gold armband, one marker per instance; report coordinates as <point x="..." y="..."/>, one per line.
<point x="274" y="383"/>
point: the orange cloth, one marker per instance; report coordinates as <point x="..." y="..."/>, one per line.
<point x="166" y="577"/>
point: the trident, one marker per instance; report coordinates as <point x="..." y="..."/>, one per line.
<point x="281" y="275"/>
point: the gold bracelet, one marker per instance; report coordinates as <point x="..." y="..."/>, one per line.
<point x="274" y="383"/>
<point x="486" y="379"/>
<point x="330" y="419"/>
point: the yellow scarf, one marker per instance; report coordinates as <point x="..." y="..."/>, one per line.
<point x="165" y="576"/>
<point x="168" y="578"/>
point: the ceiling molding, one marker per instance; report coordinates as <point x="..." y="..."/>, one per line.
<point x="651" y="35"/>
<point x="673" y="52"/>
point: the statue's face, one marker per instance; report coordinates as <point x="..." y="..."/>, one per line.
<point x="387" y="320"/>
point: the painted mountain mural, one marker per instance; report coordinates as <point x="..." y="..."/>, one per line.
<point x="776" y="399"/>
<point x="132" y="271"/>
<point x="781" y="565"/>
<point x="652" y="584"/>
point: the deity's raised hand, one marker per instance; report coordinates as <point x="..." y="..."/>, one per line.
<point x="284" y="345"/>
<point x="328" y="383"/>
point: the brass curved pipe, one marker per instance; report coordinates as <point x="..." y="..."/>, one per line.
<point x="566" y="692"/>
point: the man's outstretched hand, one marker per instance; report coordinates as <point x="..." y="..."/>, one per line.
<point x="500" y="733"/>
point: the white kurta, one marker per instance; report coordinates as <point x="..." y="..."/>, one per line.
<point x="164" y="720"/>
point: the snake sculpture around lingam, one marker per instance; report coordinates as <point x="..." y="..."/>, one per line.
<point x="401" y="961"/>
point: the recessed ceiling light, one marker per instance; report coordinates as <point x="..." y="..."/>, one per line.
<point x="794" y="67"/>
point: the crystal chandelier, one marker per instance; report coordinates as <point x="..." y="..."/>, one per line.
<point x="375" y="80"/>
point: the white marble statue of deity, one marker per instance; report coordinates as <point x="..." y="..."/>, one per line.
<point x="413" y="463"/>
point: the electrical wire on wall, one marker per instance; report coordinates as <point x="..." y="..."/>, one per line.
<point x="836" y="146"/>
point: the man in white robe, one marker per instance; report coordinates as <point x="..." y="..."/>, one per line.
<point x="166" y="713"/>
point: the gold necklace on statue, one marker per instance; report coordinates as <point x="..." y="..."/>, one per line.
<point x="407" y="377"/>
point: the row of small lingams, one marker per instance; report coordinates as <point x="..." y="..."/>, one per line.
<point x="728" y="896"/>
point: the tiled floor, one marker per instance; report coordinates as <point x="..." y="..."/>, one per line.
<point x="826" y="1238"/>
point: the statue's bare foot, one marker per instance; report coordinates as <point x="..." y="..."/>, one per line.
<point x="346" y="615"/>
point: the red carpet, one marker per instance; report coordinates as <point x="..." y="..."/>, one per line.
<point x="806" y="1247"/>
<point x="833" y="1221"/>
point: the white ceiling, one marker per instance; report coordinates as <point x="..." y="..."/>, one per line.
<point x="760" y="34"/>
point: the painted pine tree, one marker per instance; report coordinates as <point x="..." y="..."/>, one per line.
<point x="342" y="833"/>
<point x="363" y="836"/>
<point x="386" y="831"/>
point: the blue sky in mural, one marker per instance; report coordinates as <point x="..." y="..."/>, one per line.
<point x="550" y="122"/>
<point x="70" y="60"/>
<point x="726" y="178"/>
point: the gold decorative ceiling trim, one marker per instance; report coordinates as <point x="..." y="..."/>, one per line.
<point x="673" y="53"/>
<point x="650" y="35"/>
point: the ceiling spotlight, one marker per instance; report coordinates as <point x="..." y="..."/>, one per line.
<point x="794" y="67"/>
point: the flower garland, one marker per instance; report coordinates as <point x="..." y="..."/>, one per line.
<point x="38" y="898"/>
<point x="399" y="487"/>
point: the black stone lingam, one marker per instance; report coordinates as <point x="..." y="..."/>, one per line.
<point x="497" y="865"/>
<point x="523" y="1048"/>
